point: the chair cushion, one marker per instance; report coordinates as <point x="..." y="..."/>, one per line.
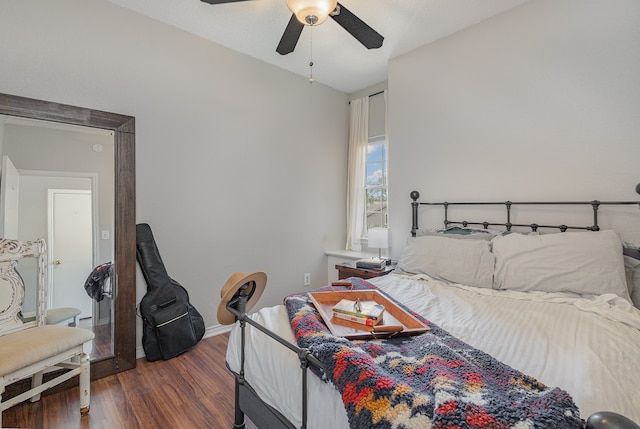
<point x="29" y="346"/>
<point x="57" y="315"/>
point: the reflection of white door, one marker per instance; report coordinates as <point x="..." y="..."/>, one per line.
<point x="71" y="249"/>
<point x="9" y="183"/>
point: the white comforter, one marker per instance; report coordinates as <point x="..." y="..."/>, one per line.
<point x="588" y="346"/>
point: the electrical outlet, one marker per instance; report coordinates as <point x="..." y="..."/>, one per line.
<point x="307" y="279"/>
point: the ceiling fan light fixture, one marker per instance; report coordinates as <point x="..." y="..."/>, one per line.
<point x="312" y="12"/>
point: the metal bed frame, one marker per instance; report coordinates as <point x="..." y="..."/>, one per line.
<point x="247" y="400"/>
<point x="595" y="205"/>
<point x="264" y="416"/>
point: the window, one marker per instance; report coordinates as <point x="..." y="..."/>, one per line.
<point x="376" y="212"/>
<point x="367" y="180"/>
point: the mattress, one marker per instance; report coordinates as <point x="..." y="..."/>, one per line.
<point x="586" y="345"/>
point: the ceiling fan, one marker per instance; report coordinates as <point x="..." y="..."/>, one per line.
<point x="315" y="12"/>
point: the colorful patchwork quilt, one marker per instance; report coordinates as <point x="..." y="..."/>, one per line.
<point x="431" y="380"/>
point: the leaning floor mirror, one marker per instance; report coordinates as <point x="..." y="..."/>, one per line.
<point x="68" y="175"/>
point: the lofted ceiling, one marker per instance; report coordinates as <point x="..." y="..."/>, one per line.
<point x="255" y="27"/>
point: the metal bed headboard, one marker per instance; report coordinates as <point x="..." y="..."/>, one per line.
<point x="595" y="205"/>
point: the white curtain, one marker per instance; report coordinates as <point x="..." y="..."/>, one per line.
<point x="358" y="139"/>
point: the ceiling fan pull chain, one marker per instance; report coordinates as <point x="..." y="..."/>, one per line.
<point x="311" y="53"/>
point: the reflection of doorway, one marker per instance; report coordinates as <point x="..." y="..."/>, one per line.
<point x="70" y="248"/>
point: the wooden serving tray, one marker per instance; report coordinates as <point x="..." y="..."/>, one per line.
<point x="393" y="315"/>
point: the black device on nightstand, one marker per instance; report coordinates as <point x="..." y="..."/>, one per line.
<point x="349" y="269"/>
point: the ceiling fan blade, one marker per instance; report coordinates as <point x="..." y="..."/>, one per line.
<point x="290" y="36"/>
<point x="221" y="1"/>
<point x="366" y="35"/>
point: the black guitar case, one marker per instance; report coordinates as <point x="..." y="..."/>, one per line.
<point x="170" y="324"/>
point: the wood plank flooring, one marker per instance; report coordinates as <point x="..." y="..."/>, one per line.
<point x="193" y="390"/>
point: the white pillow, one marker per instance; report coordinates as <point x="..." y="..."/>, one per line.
<point x="473" y="236"/>
<point x="632" y="267"/>
<point x="579" y="262"/>
<point x="468" y="262"/>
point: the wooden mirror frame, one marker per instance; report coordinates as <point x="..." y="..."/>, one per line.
<point x="124" y="280"/>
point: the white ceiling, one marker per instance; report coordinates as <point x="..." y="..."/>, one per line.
<point x="340" y="61"/>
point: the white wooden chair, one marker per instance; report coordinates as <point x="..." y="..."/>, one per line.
<point x="29" y="348"/>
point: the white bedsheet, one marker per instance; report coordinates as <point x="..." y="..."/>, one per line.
<point x="588" y="346"/>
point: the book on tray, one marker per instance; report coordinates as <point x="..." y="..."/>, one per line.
<point x="371" y="263"/>
<point x="365" y="312"/>
<point x="360" y="320"/>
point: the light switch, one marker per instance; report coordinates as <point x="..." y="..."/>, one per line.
<point x="105" y="234"/>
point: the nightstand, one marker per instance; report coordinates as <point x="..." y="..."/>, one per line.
<point x="349" y="269"/>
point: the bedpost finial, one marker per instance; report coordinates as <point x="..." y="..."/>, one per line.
<point x="415" y="195"/>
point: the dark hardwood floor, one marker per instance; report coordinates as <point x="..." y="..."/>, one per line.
<point x="193" y="390"/>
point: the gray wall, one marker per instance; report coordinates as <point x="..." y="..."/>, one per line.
<point x="542" y="102"/>
<point x="241" y="166"/>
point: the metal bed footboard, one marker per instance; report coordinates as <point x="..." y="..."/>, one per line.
<point x="247" y="400"/>
<point x="249" y="403"/>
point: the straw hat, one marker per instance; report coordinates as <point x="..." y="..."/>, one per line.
<point x="232" y="288"/>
